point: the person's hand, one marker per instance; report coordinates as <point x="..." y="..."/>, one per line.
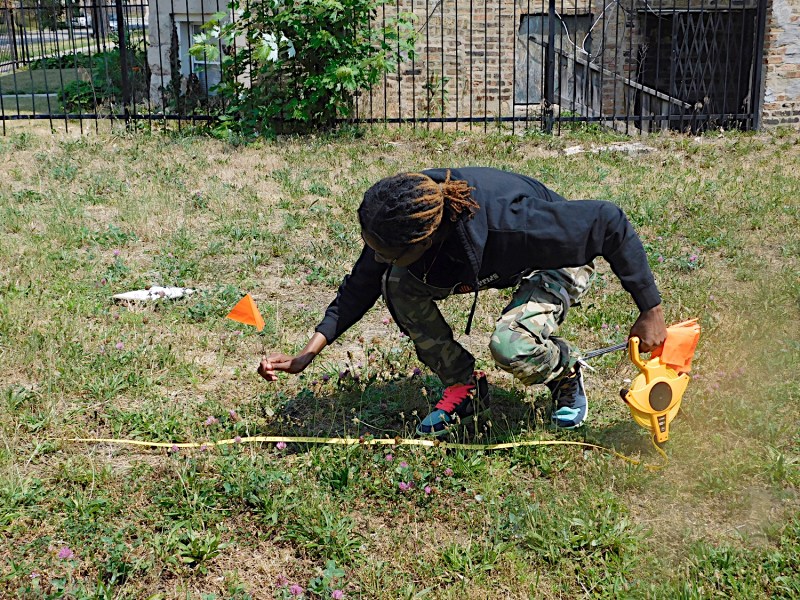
<point x="283" y="362"/>
<point x="650" y="328"/>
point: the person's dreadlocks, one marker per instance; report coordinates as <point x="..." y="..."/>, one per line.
<point x="407" y="208"/>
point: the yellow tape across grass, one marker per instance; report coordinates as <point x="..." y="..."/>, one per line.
<point x="347" y="441"/>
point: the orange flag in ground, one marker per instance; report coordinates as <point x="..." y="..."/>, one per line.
<point x="246" y="312"/>
<point x="678" y="349"/>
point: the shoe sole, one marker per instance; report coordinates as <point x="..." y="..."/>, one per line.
<point x="570" y="427"/>
<point x="465" y="421"/>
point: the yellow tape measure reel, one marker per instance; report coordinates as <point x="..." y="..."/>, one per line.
<point x="654" y="397"/>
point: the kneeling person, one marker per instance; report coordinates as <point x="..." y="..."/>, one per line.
<point x="439" y="232"/>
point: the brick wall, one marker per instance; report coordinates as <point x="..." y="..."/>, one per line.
<point x="781" y="103"/>
<point x="467" y="52"/>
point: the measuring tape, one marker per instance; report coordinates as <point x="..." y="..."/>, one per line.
<point x="348" y="441"/>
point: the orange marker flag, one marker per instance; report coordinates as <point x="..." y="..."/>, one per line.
<point x="678" y="349"/>
<point x="246" y="312"/>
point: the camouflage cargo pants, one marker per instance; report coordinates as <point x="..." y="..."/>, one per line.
<point x="523" y="342"/>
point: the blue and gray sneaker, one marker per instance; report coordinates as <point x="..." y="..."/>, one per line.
<point x="570" y="406"/>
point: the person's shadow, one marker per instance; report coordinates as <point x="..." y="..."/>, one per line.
<point x="393" y="409"/>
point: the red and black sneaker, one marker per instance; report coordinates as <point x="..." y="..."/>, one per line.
<point x="458" y="401"/>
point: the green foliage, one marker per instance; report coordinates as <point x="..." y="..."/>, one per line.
<point x="78" y="96"/>
<point x="328" y="581"/>
<point x="471" y="560"/>
<point x="110" y="237"/>
<point x="105" y="85"/>
<point x="723" y="571"/>
<point x="323" y="533"/>
<point x="306" y="60"/>
<point x="72" y="60"/>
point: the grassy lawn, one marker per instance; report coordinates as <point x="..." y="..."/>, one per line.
<point x="37" y="81"/>
<point x="82" y="219"/>
<point x="26" y="105"/>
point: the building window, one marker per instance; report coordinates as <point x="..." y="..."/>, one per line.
<point x="206" y="69"/>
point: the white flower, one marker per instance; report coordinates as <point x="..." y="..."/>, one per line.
<point x="289" y="45"/>
<point x="271" y="46"/>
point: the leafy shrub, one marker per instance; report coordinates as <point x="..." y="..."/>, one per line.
<point x="107" y="71"/>
<point x="77" y="96"/>
<point x="106" y="77"/>
<point x="306" y="60"/>
<point x="72" y="60"/>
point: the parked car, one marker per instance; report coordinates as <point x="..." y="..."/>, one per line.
<point x="81" y="22"/>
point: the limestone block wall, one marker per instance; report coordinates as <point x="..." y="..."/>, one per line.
<point x="781" y="100"/>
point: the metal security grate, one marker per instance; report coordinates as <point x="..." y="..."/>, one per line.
<point x="705" y="60"/>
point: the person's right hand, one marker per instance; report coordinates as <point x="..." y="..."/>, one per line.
<point x="283" y="362"/>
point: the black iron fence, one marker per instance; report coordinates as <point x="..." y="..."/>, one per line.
<point x="636" y="65"/>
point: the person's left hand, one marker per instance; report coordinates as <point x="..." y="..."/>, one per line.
<point x="650" y="328"/>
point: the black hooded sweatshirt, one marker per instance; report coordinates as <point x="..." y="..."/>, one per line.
<point x="520" y="227"/>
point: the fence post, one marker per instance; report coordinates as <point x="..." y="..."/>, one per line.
<point x="550" y="68"/>
<point x="13" y="37"/>
<point x="123" y="62"/>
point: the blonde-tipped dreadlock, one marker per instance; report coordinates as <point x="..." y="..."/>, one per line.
<point x="407" y="208"/>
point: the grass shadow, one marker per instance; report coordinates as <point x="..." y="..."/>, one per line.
<point x="394" y="409"/>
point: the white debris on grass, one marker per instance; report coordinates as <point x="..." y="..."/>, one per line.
<point x="154" y="293"/>
<point x="627" y="147"/>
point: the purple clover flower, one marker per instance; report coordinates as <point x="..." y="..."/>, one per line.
<point x="295" y="590"/>
<point x="448" y="471"/>
<point x="119" y="346"/>
<point x="281" y="445"/>
<point x="212" y="420"/>
<point x="66" y="553"/>
<point x="389" y="457"/>
<point x="404" y="487"/>
<point x="337" y="594"/>
<point x="428" y="490"/>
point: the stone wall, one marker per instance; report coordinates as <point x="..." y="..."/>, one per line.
<point x="781" y="100"/>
